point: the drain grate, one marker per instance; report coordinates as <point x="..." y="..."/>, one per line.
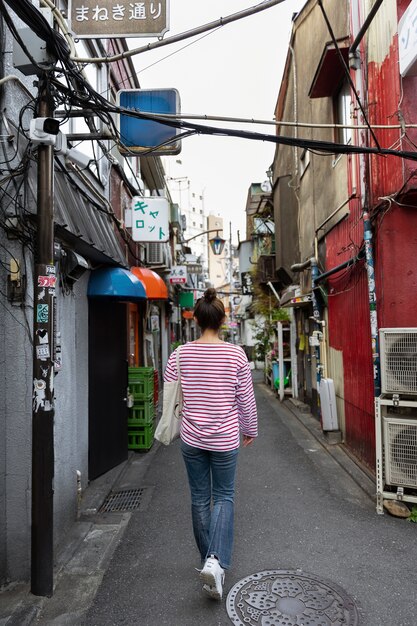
<point x="289" y="598"/>
<point x="129" y="500"/>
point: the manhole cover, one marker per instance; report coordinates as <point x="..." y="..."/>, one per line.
<point x="289" y="598"/>
<point x="128" y="500"/>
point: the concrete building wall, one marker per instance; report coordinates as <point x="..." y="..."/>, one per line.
<point x="71" y="409"/>
<point x="16" y="424"/>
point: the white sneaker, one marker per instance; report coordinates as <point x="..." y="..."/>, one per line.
<point x="212" y="575"/>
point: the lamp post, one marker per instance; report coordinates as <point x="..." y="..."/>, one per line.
<point x="216" y="243"/>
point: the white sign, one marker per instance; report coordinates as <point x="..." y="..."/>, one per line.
<point x="407" y="41"/>
<point x="178" y="274"/>
<point x="150" y="219"/>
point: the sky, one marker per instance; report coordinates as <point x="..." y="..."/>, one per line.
<point x="236" y="72"/>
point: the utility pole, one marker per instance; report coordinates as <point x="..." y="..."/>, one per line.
<point x="43" y="370"/>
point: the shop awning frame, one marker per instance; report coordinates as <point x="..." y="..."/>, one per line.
<point x="115" y="283"/>
<point x="155" y="287"/>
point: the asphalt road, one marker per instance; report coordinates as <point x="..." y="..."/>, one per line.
<point x="296" y="509"/>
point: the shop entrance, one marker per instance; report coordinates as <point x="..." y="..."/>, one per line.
<point x="107" y="386"/>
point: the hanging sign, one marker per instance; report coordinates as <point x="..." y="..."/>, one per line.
<point x="150" y="219"/>
<point x="178" y="275"/>
<point x="247" y="283"/>
<point x="118" y="18"/>
<point x="147" y="136"/>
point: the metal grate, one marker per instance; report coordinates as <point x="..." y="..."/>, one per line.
<point x="129" y="500"/>
<point x="399" y="360"/>
<point x="400" y="448"/>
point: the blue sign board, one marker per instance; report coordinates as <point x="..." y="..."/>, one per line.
<point x="140" y="136"/>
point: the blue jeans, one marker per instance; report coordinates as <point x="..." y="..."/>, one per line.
<point x="211" y="476"/>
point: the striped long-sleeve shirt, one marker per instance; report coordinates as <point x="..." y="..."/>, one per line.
<point x="218" y="397"/>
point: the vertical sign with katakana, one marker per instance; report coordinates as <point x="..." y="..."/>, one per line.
<point x="119" y="18"/>
<point x="247" y="283"/>
<point x="150" y="219"/>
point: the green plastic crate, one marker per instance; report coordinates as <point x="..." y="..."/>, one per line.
<point x="141" y="415"/>
<point x="140" y="373"/>
<point x="140" y="438"/>
<point x="141" y="390"/>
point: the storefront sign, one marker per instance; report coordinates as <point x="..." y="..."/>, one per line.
<point x="247" y="283"/>
<point x="178" y="275"/>
<point x="150" y="219"/>
<point x="119" y="18"/>
<point x="194" y="268"/>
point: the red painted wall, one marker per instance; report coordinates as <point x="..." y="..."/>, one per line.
<point x="390" y="98"/>
<point x="349" y="331"/>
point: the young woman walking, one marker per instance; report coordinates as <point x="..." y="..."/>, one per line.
<point x="218" y="406"/>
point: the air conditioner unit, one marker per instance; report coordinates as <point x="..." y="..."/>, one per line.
<point x="155" y="253"/>
<point x="398" y="349"/>
<point x="400" y="451"/>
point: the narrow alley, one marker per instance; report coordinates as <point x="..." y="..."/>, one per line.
<point x="299" y="508"/>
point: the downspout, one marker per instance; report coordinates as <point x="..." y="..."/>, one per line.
<point x="368" y="237"/>
<point x="372" y="302"/>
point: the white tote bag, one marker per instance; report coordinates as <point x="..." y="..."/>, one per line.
<point x="169" y="425"/>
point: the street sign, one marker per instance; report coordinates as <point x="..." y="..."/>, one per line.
<point x="118" y="18"/>
<point x="247" y="283"/>
<point x="178" y="275"/>
<point x="150" y="219"/>
<point x="138" y="135"/>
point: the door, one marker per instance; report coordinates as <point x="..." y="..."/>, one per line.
<point x="107" y="386"/>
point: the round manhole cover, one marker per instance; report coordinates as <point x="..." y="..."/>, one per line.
<point x="289" y="598"/>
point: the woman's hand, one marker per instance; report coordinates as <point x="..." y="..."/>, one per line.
<point x="247" y="440"/>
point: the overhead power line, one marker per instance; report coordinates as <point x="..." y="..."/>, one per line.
<point x="222" y="21"/>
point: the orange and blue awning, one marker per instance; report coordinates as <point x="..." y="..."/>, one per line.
<point x="115" y="283"/>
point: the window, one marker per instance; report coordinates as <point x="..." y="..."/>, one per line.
<point x="342" y="103"/>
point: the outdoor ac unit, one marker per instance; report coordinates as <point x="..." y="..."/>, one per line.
<point x="155" y="253"/>
<point x="400" y="451"/>
<point x="398" y="348"/>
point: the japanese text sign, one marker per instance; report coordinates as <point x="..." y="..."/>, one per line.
<point x="178" y="274"/>
<point x="247" y="283"/>
<point x="150" y="219"/>
<point x="119" y="18"/>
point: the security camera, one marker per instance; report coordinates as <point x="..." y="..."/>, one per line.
<point x="43" y="130"/>
<point x="77" y="157"/>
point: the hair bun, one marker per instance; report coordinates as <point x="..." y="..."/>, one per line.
<point x="210" y="294"/>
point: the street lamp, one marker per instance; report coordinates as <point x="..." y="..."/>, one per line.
<point x="217" y="244"/>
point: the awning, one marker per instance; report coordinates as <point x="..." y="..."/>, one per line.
<point x="155" y="287"/>
<point x="292" y="297"/>
<point x="330" y="70"/>
<point x="116" y="283"/>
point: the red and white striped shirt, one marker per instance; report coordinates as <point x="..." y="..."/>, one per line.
<point x="218" y="397"/>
